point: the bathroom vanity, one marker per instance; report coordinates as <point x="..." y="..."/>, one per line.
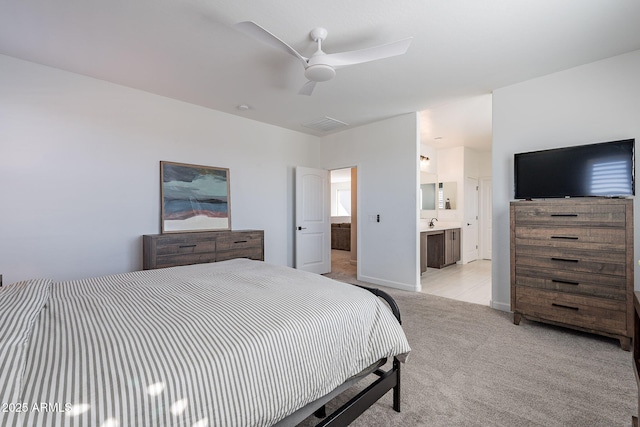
<point x="439" y="247"/>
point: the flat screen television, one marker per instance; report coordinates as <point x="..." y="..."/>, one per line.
<point x="594" y="170"/>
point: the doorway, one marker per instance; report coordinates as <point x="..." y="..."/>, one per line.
<point x="344" y="222"/>
<point x="485" y="217"/>
<point x="470" y="221"/>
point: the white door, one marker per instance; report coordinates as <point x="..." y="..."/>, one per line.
<point x="470" y="233"/>
<point x="485" y="218"/>
<point x="313" y="224"/>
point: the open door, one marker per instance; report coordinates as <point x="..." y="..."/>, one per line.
<point x="485" y="218"/>
<point x="313" y="223"/>
<point x="470" y="233"/>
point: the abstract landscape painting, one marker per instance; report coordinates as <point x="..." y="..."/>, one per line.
<point x="194" y="198"/>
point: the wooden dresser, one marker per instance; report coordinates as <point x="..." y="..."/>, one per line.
<point x="170" y="250"/>
<point x="572" y="264"/>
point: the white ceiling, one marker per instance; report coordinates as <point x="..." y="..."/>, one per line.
<point x="187" y="50"/>
<point x="459" y="122"/>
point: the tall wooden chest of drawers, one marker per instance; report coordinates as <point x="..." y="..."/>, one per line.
<point x="170" y="250"/>
<point x="572" y="264"/>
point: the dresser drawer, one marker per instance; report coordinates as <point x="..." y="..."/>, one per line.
<point x="582" y="311"/>
<point x="240" y="245"/>
<point x="177" y="246"/>
<point x="571" y="214"/>
<point x="598" y="285"/>
<point x="595" y="239"/>
<point x="239" y="241"/>
<point x="249" y="252"/>
<point x="171" y="250"/>
<point x="612" y="263"/>
<point x="184" y="259"/>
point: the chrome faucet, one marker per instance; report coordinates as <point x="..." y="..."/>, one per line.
<point x="431" y="223"/>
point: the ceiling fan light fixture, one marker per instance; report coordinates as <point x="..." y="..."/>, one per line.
<point x="319" y="73"/>
<point x="320" y="67"/>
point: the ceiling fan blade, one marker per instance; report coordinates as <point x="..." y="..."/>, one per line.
<point x="307" y="89"/>
<point x="343" y="59"/>
<point x="257" y="32"/>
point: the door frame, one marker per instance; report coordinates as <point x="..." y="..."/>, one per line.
<point x="486" y="214"/>
<point x="357" y="216"/>
<point x="465" y="224"/>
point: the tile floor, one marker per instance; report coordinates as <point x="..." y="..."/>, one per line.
<point x="469" y="282"/>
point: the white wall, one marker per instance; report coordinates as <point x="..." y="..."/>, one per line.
<point x="454" y="165"/>
<point x="484" y="163"/>
<point x="596" y="102"/>
<point x="386" y="154"/>
<point x="79" y="171"/>
<point x="432" y="154"/>
<point x="451" y="168"/>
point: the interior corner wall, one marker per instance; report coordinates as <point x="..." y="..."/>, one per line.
<point x="596" y="102"/>
<point x="386" y="155"/>
<point x="79" y="167"/>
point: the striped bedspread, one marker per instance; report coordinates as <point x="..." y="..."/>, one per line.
<point x="234" y="343"/>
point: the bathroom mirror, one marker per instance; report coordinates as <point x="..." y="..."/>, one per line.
<point x="447" y="195"/>
<point x="428" y="194"/>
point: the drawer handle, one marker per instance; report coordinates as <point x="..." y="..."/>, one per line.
<point x="565" y="306"/>
<point x="565" y="215"/>
<point x="566" y="282"/>
<point x="565" y="237"/>
<point x="187" y="246"/>
<point x="564" y="259"/>
<point x="240" y="241"/>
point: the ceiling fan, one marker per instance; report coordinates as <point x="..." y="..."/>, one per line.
<point x="322" y="66"/>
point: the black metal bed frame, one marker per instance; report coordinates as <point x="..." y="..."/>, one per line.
<point x="388" y="380"/>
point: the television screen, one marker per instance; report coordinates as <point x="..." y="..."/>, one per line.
<point x="605" y="170"/>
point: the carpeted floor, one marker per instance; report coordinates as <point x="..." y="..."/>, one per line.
<point x="471" y="366"/>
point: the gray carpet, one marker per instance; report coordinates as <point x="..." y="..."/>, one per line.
<point x="470" y="365"/>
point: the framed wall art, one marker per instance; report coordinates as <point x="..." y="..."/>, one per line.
<point x="194" y="198"/>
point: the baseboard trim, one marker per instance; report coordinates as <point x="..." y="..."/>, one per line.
<point x="389" y="284"/>
<point x="500" y="306"/>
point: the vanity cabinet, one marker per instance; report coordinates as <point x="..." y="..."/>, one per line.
<point x="451" y="246"/>
<point x="423" y="252"/>
<point x="439" y="248"/>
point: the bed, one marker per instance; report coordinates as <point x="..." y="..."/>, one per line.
<point x="233" y="343"/>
